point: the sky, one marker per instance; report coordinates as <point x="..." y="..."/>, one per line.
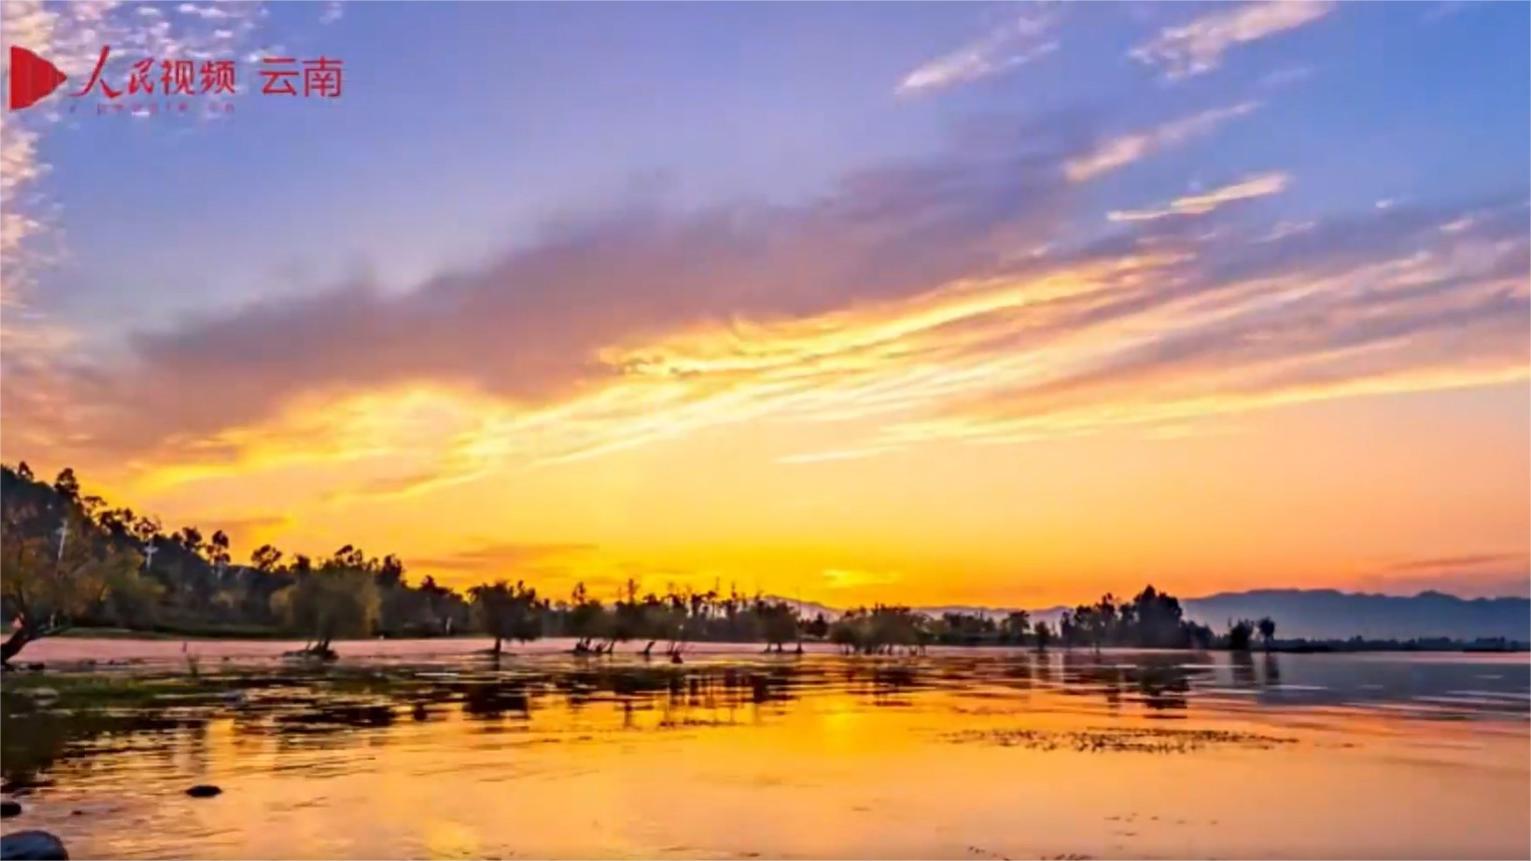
<point x="919" y="303"/>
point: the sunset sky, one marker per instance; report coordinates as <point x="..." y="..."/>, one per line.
<point x="999" y="304"/>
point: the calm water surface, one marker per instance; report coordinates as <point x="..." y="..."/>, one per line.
<point x="424" y="749"/>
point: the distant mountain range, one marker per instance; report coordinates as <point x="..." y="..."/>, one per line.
<point x="1327" y="614"/>
<point x="1324" y="614"/>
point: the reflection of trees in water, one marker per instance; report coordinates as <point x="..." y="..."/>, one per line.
<point x="33" y="741"/>
<point x="1163" y="685"/>
<point x="494" y="699"/>
<point x="884" y="682"/>
<point x="1243" y="666"/>
<point x="1019" y="671"/>
<point x="1272" y="666"/>
<point x="1086" y="674"/>
<point x="1246" y="675"/>
<point x="301" y="709"/>
<point x="1159" y="682"/>
<point x="1044" y="667"/>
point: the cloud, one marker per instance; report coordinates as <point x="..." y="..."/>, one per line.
<point x="1015" y="44"/>
<point x="853" y="578"/>
<point x="1198" y="46"/>
<point x="1201" y="204"/>
<point x="1285" y="76"/>
<point x="1469" y="560"/>
<point x="209" y="12"/>
<point x="836" y="455"/>
<point x="333" y="11"/>
<point x="502" y="557"/>
<point x="1469" y="575"/>
<point x="1302" y="319"/>
<point x="1118" y="152"/>
<point x="542" y="323"/>
<point x="901" y="307"/>
<point x="250" y="531"/>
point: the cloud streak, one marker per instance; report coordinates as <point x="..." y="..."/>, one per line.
<point x="1017" y="43"/>
<point x="1198" y="47"/>
<point x="1252" y="187"/>
<point x="1118" y="152"/>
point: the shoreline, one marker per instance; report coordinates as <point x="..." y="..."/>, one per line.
<point x="80" y="651"/>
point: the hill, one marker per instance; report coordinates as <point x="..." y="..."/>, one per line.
<point x="1331" y="614"/>
<point x="1325" y="614"/>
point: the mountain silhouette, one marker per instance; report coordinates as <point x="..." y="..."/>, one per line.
<point x="1322" y="614"/>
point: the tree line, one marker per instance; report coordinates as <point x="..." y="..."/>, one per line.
<point x="68" y="559"/>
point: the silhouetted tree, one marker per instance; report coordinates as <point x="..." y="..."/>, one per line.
<point x="338" y="600"/>
<point x="1267" y="631"/>
<point x="1044" y="635"/>
<point x="817" y="627"/>
<point x="778" y="622"/>
<point x="506" y="612"/>
<point x="586" y="618"/>
<point x="266" y="558"/>
<point x="1239" y="635"/>
<point x="66" y="485"/>
<point x="1016" y="626"/>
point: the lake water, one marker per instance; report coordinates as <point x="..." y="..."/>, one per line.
<point x="424" y="749"/>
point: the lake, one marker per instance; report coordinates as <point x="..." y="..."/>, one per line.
<point x="408" y="749"/>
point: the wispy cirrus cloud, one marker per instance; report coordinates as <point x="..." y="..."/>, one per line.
<point x="1469" y="575"/>
<point x="504" y="556"/>
<point x="1118" y="152"/>
<point x="1200" y="204"/>
<point x="1016" y="43"/>
<point x="855" y="578"/>
<point x="1198" y="46"/>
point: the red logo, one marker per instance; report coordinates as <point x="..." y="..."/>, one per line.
<point x="32" y="78"/>
<point x="155" y="85"/>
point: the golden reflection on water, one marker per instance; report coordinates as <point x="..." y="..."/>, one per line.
<point x="958" y="755"/>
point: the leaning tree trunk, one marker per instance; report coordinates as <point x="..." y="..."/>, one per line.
<point x="14" y="643"/>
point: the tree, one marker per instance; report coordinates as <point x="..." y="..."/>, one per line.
<point x="334" y="601"/>
<point x="66" y="485"/>
<point x="147" y="530"/>
<point x="1067" y="630"/>
<point x="1016" y="626"/>
<point x="218" y="550"/>
<point x="1044" y="635"/>
<point x="587" y="618"/>
<point x="1153" y="620"/>
<point x="49" y="581"/>
<point x="506" y="612"/>
<point x="126" y="598"/>
<point x="189" y="537"/>
<point x="665" y="619"/>
<point x="1239" y="635"/>
<point x="266" y="558"/>
<point x="817" y="627"/>
<point x="1093" y="622"/>
<point x="778" y="622"/>
<point x="1267" y="631"/>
